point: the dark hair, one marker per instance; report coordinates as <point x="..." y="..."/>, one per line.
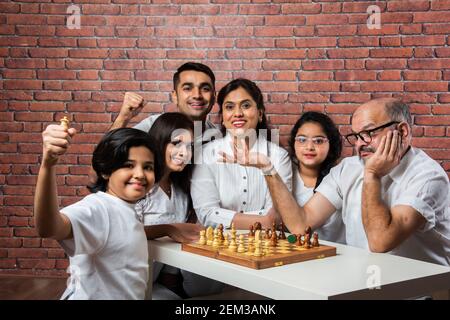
<point x="332" y="133"/>
<point x="112" y="152"/>
<point x="194" y="66"/>
<point x="253" y="90"/>
<point x="398" y="111"/>
<point x="161" y="132"/>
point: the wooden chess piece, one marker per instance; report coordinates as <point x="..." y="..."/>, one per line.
<point x="252" y="232"/>
<point x="220" y="227"/>
<point x="226" y="242"/>
<point x="202" y="239"/>
<point x="257" y="226"/>
<point x="307" y="242"/>
<point x="258" y="251"/>
<point x="282" y="234"/>
<point x="315" y="242"/>
<point x="299" y="240"/>
<point x="65" y="123"/>
<point x="209" y="235"/>
<point x="274" y="239"/>
<point x="233" y="246"/>
<point x="308" y="231"/>
<point x="251" y="247"/>
<point x="241" y="247"/>
<point x="216" y="241"/>
<point x="268" y="233"/>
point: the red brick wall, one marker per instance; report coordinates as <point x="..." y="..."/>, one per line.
<point x="304" y="54"/>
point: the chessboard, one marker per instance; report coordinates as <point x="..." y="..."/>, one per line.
<point x="269" y="255"/>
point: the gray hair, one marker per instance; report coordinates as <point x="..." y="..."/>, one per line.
<point x="398" y="111"/>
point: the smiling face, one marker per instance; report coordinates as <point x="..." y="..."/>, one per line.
<point x="310" y="154"/>
<point x="134" y="179"/>
<point x="194" y="94"/>
<point x="179" y="150"/>
<point x="240" y="112"/>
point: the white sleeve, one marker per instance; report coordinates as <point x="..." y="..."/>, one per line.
<point x="428" y="194"/>
<point x="90" y="227"/>
<point x="146" y="124"/>
<point x="330" y="188"/>
<point x="206" y="200"/>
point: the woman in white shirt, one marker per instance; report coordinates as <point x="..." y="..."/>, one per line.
<point x="167" y="208"/>
<point x="226" y="193"/>
<point x="315" y="146"/>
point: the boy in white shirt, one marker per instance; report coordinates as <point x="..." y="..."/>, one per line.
<point x="102" y="234"/>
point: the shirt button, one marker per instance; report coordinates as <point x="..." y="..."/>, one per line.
<point x="244" y="202"/>
<point x="245" y="190"/>
<point x="217" y="212"/>
<point x="260" y="213"/>
<point x="242" y="211"/>
<point x="244" y="177"/>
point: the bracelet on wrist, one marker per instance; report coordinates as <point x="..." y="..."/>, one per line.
<point x="269" y="171"/>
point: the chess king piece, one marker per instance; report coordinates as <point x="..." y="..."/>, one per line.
<point x="202" y="239"/>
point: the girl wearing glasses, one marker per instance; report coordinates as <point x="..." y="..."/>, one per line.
<point x="167" y="208"/>
<point x="315" y="146"/>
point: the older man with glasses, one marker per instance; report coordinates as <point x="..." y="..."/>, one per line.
<point x="393" y="197"/>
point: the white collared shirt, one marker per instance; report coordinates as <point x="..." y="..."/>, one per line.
<point x="220" y="190"/>
<point x="333" y="229"/>
<point x="418" y="181"/>
<point x="158" y="208"/>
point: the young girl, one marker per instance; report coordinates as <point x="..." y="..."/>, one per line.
<point x="102" y="234"/>
<point x="167" y="208"/>
<point x="226" y="193"/>
<point x="315" y="146"/>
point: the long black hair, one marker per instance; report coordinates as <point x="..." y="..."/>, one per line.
<point x="333" y="135"/>
<point x="254" y="91"/>
<point x="112" y="152"/>
<point x="161" y="132"/>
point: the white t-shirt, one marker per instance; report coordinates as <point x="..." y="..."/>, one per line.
<point x="333" y="229"/>
<point x="108" y="252"/>
<point x="418" y="181"/>
<point x="219" y="190"/>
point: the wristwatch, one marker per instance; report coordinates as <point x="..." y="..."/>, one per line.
<point x="270" y="171"/>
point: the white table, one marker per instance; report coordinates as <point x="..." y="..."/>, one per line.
<point x="344" y="276"/>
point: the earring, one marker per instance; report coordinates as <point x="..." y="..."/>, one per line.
<point x="104" y="176"/>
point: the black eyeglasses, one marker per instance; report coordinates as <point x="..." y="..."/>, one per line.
<point x="366" y="135"/>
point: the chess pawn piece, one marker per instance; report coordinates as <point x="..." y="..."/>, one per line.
<point x="307" y="242"/>
<point x="209" y="235"/>
<point x="257" y="236"/>
<point x="233" y="246"/>
<point x="252" y="232"/>
<point x="315" y="242"/>
<point x="268" y="235"/>
<point x="216" y="241"/>
<point x="220" y="227"/>
<point x="274" y="239"/>
<point x="241" y="247"/>
<point x="282" y="234"/>
<point x="299" y="240"/>
<point x="251" y="247"/>
<point x="258" y="251"/>
<point x="202" y="239"/>
<point x="226" y="242"/>
<point x="257" y="226"/>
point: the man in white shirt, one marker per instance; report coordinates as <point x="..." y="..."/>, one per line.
<point x="193" y="93"/>
<point x="393" y="197"/>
